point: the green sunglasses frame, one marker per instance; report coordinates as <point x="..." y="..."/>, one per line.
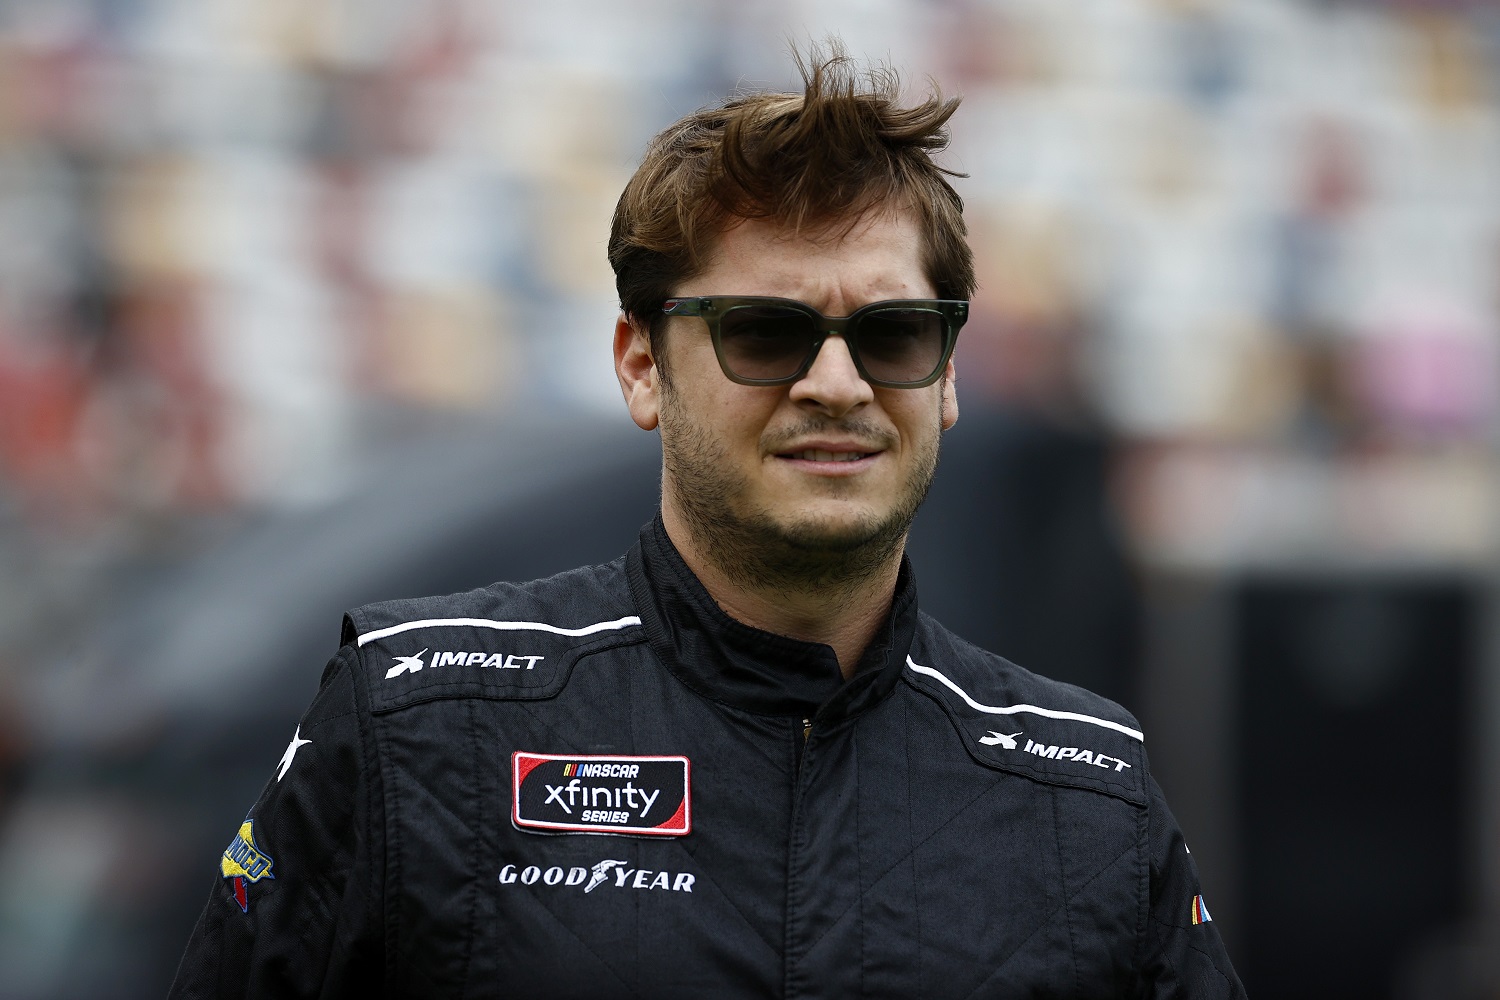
<point x="712" y="308"/>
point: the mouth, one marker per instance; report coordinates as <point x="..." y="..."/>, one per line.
<point x="820" y="455"/>
<point x="825" y="452"/>
<point x="831" y="459"/>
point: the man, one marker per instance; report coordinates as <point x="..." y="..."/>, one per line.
<point x="737" y="761"/>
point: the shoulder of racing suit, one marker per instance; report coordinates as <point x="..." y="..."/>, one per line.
<point x="505" y="641"/>
<point x="1014" y="720"/>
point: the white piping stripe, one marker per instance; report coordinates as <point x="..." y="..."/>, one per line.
<point x="618" y="623"/>
<point x="1029" y="709"/>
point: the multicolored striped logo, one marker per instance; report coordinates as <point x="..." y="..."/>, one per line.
<point x="1200" y="911"/>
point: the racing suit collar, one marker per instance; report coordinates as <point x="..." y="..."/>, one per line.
<point x="746" y="667"/>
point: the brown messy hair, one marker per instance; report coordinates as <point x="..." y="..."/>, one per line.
<point x="814" y="162"/>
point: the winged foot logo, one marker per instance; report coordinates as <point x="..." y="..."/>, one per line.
<point x="601" y="872"/>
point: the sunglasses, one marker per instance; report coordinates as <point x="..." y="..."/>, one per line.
<point x="897" y="344"/>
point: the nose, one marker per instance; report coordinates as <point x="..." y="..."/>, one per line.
<point x="833" y="384"/>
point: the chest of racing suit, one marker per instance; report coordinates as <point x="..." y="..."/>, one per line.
<point x="599" y="785"/>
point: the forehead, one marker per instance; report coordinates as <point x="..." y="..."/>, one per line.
<point x="879" y="257"/>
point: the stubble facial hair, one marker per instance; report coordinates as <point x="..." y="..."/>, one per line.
<point x="754" y="547"/>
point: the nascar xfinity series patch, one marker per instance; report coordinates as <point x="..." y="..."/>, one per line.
<point x="643" y="796"/>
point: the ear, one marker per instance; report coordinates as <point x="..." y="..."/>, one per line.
<point x="950" y="396"/>
<point x="635" y="367"/>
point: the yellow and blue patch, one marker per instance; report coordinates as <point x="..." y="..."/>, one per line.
<point x="244" y="862"/>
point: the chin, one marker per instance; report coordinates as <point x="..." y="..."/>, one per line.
<point x="834" y="531"/>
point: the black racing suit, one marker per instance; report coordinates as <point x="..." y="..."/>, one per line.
<point x="944" y="824"/>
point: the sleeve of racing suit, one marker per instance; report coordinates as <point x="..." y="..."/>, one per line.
<point x="293" y="911"/>
<point x="1185" y="957"/>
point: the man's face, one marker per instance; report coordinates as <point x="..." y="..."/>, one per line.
<point x="821" y="469"/>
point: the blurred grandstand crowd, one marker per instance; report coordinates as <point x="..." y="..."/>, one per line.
<point x="1254" y="244"/>
<point x="242" y="238"/>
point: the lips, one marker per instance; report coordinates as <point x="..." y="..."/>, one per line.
<point x="819" y="455"/>
<point x="853" y="447"/>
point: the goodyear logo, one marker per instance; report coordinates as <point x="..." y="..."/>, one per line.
<point x="244" y="862"/>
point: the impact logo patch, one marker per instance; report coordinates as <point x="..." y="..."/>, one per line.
<point x="646" y="796"/>
<point x="462" y="658"/>
<point x="1008" y="741"/>
<point x="244" y="862"/>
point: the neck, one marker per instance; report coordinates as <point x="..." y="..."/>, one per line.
<point x="843" y="611"/>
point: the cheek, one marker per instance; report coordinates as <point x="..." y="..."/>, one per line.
<point x="717" y="417"/>
<point x="919" y="414"/>
<point x="737" y="414"/>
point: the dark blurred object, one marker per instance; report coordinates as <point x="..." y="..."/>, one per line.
<point x="1456" y="964"/>
<point x="155" y="738"/>
<point x="150" y="745"/>
<point x="1355" y="777"/>
<point x="1018" y="551"/>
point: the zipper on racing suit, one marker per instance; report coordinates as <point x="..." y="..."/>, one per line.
<point x="799" y="746"/>
<point x="793" y="851"/>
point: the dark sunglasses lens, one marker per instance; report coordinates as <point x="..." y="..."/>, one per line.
<point x="766" y="341"/>
<point x="901" y="345"/>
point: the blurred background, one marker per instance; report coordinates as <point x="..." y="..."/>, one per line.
<point x="304" y="303"/>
